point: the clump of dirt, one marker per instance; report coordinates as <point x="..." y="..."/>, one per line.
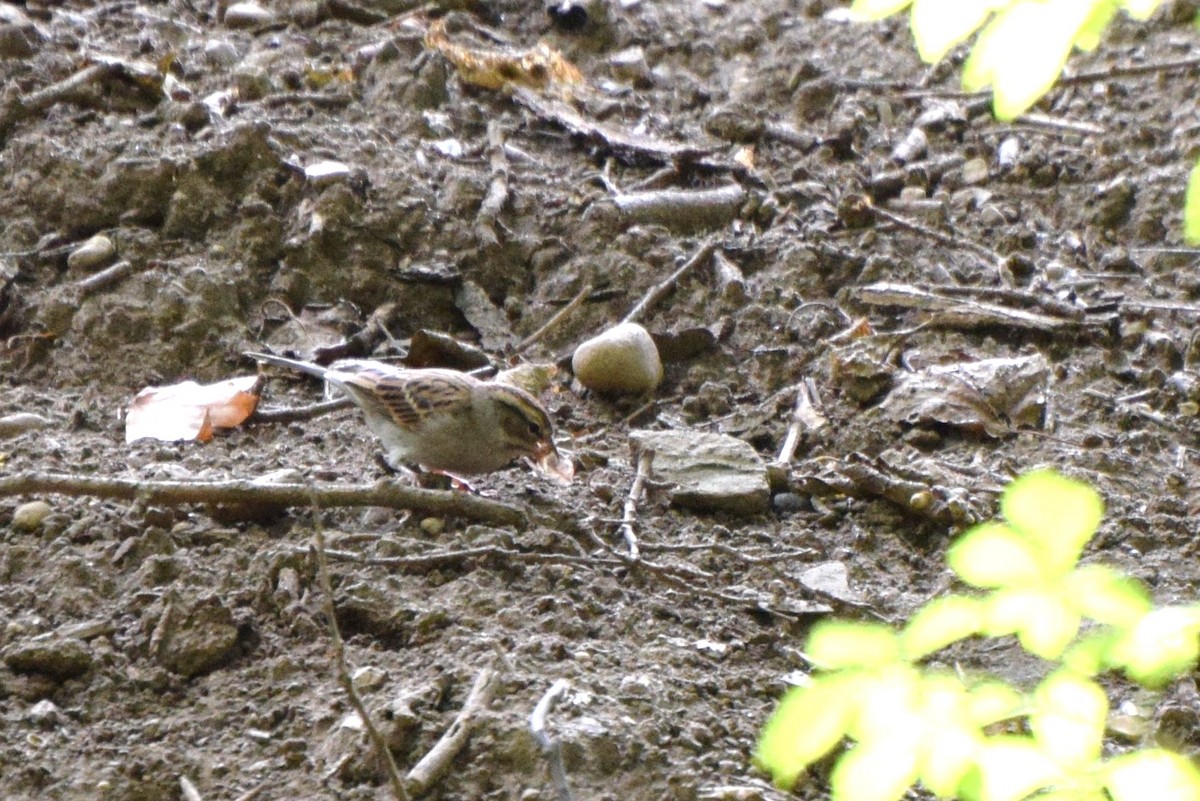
<point x="311" y="178"/>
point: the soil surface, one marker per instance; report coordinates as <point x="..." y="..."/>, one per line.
<point x="313" y="179"/>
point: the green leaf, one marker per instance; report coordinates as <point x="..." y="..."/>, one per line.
<point x="806" y="726"/>
<point x="1009" y="768"/>
<point x="868" y="10"/>
<point x="992" y="701"/>
<point x="1056" y="512"/>
<point x="1160" y="647"/>
<point x="1089" y="655"/>
<point x="834" y="645"/>
<point x="949" y="755"/>
<point x="1042" y="619"/>
<point x="1094" y="26"/>
<point x="1068" y="717"/>
<point x="1107" y="596"/>
<point x="950" y="735"/>
<point x="938" y="25"/>
<point x="874" y="772"/>
<point x="889" y="706"/>
<point x="1152" y="773"/>
<point x="1022" y="51"/>
<point x="993" y="555"/>
<point x="940" y="623"/>
<point x="1191" y="203"/>
<point x="1140" y="9"/>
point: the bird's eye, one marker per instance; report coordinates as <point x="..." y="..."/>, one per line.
<point x="535" y="428"/>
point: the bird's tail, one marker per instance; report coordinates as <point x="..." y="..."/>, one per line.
<point x="304" y="367"/>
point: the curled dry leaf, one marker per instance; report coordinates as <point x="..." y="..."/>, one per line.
<point x="559" y="467"/>
<point x="540" y="67"/>
<point x="190" y="411"/>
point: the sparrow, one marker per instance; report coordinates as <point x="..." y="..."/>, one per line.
<point x="443" y="420"/>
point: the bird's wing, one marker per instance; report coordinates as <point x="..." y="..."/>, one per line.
<point x="407" y="396"/>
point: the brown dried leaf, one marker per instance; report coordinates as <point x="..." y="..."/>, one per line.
<point x="537" y="68"/>
<point x="190" y="411"/>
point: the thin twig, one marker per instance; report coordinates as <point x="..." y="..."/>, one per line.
<point x="296" y="414"/>
<point x="385" y="493"/>
<point x="687" y="209"/>
<point x="629" y="515"/>
<point x="437" y="761"/>
<point x="343" y="671"/>
<point x="548" y="744"/>
<point x="1190" y="63"/>
<point x="252" y="793"/>
<point x="105" y="278"/>
<point x="188" y="790"/>
<point x="558" y="317"/>
<point x="936" y="235"/>
<point x="657" y="293"/>
<point x="804" y="415"/>
<point x="497" y="193"/>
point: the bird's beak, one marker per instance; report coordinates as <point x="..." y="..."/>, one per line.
<point x="550" y="462"/>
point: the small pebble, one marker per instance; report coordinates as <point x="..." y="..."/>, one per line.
<point x="44" y="713"/>
<point x="19" y="423"/>
<point x="220" y="53"/>
<point x="786" y="503"/>
<point x="975" y="171"/>
<point x="29" y="516"/>
<point x="248" y="15"/>
<point x="622" y="360"/>
<point x="97" y="252"/>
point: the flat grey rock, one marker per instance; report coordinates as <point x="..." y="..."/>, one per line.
<point x="711" y="472"/>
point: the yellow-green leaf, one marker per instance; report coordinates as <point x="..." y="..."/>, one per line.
<point x="994" y="555"/>
<point x="938" y="25"/>
<point x="1140" y="9"/>
<point x="1191" y="203"/>
<point x="808" y="723"/>
<point x="1059" y="514"/>
<point x="991" y="702"/>
<point x="1041" y="618"/>
<point x="1090" y="654"/>
<point x="1021" y="53"/>
<point x="1152" y="773"/>
<point x="1009" y="768"/>
<point x="940" y="623"/>
<point x="889" y="706"/>
<point x="836" y="645"/>
<point x="1093" y="28"/>
<point x="1161" y="646"/>
<point x="871" y="772"/>
<point x="867" y="10"/>
<point x="1107" y="596"/>
<point x="1068" y="717"/>
<point x="949" y="755"/>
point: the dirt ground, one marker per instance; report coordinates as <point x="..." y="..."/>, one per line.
<point x="309" y="177"/>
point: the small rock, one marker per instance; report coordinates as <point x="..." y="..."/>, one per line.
<point x="29" y="516"/>
<point x="59" y="658"/>
<point x="220" y="52"/>
<point x="711" y="472"/>
<point x="13" y="424"/>
<point x="786" y="503"/>
<point x="630" y="64"/>
<point x="197" y="640"/>
<point x="975" y="171"/>
<point x="248" y="15"/>
<point x="44" y="714"/>
<point x="97" y="252"/>
<point x="368" y="677"/>
<point x="622" y="360"/>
